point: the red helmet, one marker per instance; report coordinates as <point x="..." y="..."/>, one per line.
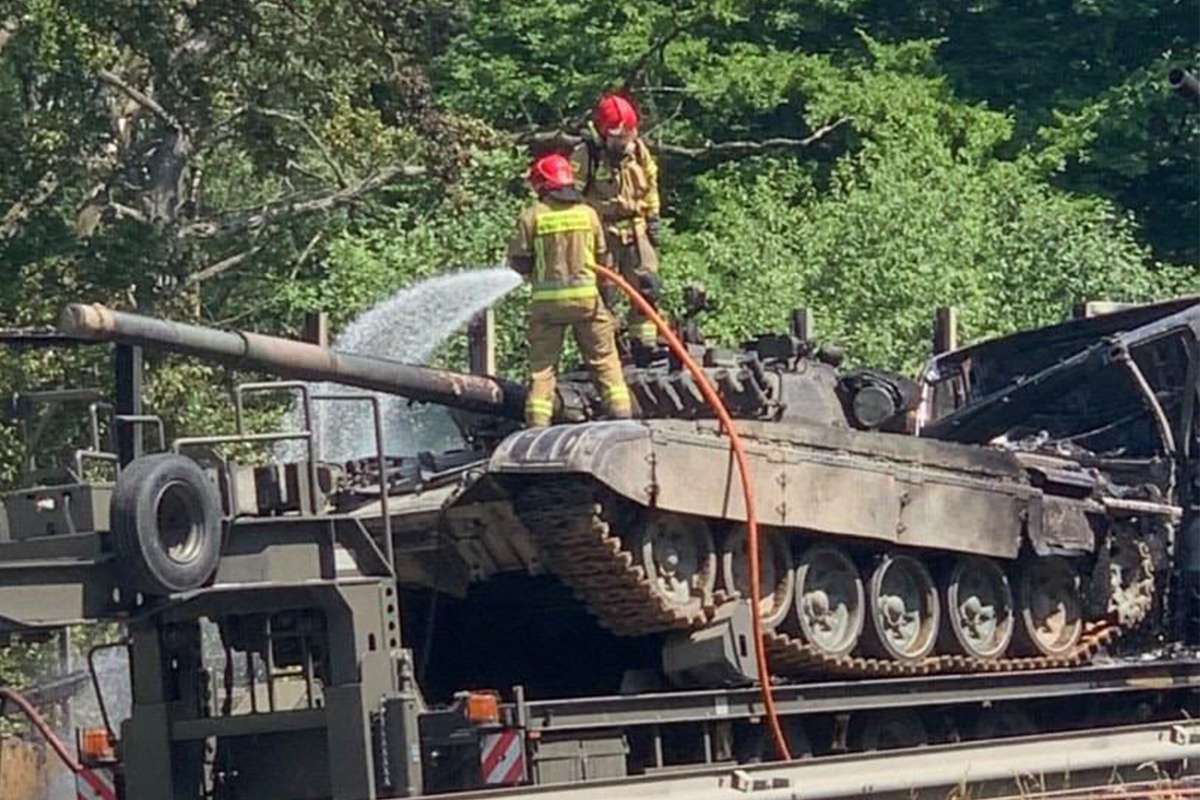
<point x="615" y="114"/>
<point x="550" y="172"/>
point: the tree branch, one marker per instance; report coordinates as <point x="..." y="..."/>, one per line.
<point x="561" y="140"/>
<point x="18" y="214"/>
<point x="306" y="252"/>
<point x="125" y="212"/>
<point x="744" y="147"/>
<point x="8" y="29"/>
<point x="312" y="135"/>
<point x="216" y="269"/>
<point x="275" y="212"/>
<point x="144" y="100"/>
<point x="634" y="73"/>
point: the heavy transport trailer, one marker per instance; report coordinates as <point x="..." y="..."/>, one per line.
<point x="1051" y="730"/>
<point x="311" y="694"/>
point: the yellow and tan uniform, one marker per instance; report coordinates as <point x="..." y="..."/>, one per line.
<point x="564" y="241"/>
<point x="625" y="194"/>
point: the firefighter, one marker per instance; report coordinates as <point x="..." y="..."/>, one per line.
<point x="619" y="178"/>
<point x="556" y="242"/>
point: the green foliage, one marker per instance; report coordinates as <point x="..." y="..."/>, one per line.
<point x="924" y="214"/>
<point x="876" y="256"/>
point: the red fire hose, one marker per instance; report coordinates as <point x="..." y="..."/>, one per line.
<point x="56" y="744"/>
<point x="35" y="719"/>
<point x="739" y="453"/>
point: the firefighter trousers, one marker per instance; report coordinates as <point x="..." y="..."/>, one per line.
<point x="595" y="335"/>
<point x="634" y="256"/>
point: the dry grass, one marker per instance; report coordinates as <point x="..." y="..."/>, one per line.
<point x="1158" y="787"/>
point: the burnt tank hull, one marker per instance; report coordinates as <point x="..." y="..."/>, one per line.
<point x="897" y="490"/>
<point x="937" y="555"/>
<point x="584" y="503"/>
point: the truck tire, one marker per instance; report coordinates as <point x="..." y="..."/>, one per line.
<point x="166" y="524"/>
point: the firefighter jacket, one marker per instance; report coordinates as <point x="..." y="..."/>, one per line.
<point x="621" y="191"/>
<point x="563" y="240"/>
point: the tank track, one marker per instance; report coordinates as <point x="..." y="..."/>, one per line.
<point x="582" y="550"/>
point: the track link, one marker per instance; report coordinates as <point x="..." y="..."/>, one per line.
<point x="582" y="550"/>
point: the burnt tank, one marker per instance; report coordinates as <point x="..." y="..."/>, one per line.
<point x="1025" y="503"/>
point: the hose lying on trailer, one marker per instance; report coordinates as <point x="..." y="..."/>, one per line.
<point x="739" y="453"/>
<point x="56" y="744"/>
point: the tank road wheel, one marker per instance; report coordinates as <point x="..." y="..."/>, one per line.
<point x="904" y="608"/>
<point x="166" y="524"/>
<point x="1049" y="607"/>
<point x="680" y="560"/>
<point x="776" y="579"/>
<point x="979" y="609"/>
<point x="829" y="600"/>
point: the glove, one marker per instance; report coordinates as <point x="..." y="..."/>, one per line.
<point x="650" y="287"/>
<point x="653" y="230"/>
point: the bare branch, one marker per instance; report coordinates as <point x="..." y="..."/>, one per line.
<point x="216" y="269"/>
<point x="540" y="141"/>
<point x="312" y="135"/>
<point x="193" y="49"/>
<point x="126" y="212"/>
<point x="306" y="252"/>
<point x="139" y="97"/>
<point x="634" y="73"/>
<point x="36" y="197"/>
<point x="744" y="147"/>
<point x="547" y="140"/>
<point x="271" y="299"/>
<point x="8" y="29"/>
<point x="275" y="212"/>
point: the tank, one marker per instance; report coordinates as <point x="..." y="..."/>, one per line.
<point x="1015" y="507"/>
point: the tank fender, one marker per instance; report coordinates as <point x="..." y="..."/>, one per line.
<point x="807" y="482"/>
<point x="617" y="453"/>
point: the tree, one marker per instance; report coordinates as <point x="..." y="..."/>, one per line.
<point x="927" y="212"/>
<point x="207" y="139"/>
<point x="191" y="159"/>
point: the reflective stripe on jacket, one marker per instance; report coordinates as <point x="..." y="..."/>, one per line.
<point x="564" y="240"/>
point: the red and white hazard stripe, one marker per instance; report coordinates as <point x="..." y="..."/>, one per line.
<point x="502" y="758"/>
<point x="95" y="784"/>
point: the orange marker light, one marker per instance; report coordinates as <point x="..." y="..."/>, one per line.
<point x="482" y="707"/>
<point x="94" y="745"/>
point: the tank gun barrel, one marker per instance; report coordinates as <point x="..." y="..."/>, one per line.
<point x="288" y="358"/>
<point x="1185" y="83"/>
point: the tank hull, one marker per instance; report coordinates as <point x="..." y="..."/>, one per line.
<point x="576" y="501"/>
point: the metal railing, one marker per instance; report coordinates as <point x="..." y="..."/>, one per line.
<point x="309" y="436"/>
